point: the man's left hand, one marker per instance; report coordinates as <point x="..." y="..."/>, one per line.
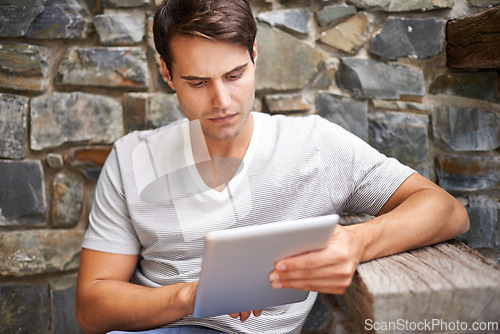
<point x="329" y="270"/>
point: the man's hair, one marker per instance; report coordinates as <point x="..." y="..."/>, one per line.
<point x="218" y="20"/>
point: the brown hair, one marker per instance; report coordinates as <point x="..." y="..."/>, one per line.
<point x="220" y="20"/>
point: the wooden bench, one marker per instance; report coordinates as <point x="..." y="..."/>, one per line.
<point x="444" y="288"/>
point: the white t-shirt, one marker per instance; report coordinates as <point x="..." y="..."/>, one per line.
<point x="151" y="201"/>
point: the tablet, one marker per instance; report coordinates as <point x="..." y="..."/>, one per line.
<point x="237" y="263"/>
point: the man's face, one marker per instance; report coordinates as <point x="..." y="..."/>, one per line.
<point x="215" y="84"/>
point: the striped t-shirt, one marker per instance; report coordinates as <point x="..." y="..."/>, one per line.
<point x="150" y="199"/>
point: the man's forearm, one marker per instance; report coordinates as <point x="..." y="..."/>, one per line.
<point x="426" y="217"/>
<point x="107" y="305"/>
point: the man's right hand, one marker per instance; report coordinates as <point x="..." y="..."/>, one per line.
<point x="245" y="315"/>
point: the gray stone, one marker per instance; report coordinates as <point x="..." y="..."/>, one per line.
<point x="484" y="3"/>
<point x="124" y="3"/>
<point x="286" y="103"/>
<point x="467" y="129"/>
<point x="478" y="85"/>
<point x="16" y="16"/>
<point x="22" y="67"/>
<point x="33" y="252"/>
<point x="13" y="126"/>
<point x="333" y="13"/>
<point x="68" y="19"/>
<point x="120" y="67"/>
<point x="278" y="54"/>
<point x="294" y="20"/>
<point x="24" y="309"/>
<point x="54" y="160"/>
<point x="68" y="200"/>
<point x="383" y="105"/>
<point x="350" y="114"/>
<point x="120" y="28"/>
<point x="163" y="109"/>
<point x="468" y="172"/>
<point x="374" y="79"/>
<point x="484" y="215"/>
<point x="347" y="36"/>
<point x="402" y="37"/>
<point x="22" y="193"/>
<point x="405" y="5"/>
<point x="150" y="111"/>
<point x="63" y="294"/>
<point x="403" y="136"/>
<point x="74" y="117"/>
<point x="325" y="79"/>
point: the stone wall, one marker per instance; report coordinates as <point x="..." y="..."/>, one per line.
<point x="75" y="75"/>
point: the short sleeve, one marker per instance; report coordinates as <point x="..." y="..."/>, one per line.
<point x="110" y="227"/>
<point x="365" y="177"/>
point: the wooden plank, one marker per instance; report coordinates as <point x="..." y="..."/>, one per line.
<point x="436" y="287"/>
<point x="473" y="42"/>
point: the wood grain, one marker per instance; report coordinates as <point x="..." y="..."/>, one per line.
<point x="473" y="42"/>
<point x="448" y="282"/>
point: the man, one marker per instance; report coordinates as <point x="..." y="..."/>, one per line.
<point x="142" y="253"/>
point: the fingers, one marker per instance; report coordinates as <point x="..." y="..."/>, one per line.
<point x="245" y="315"/>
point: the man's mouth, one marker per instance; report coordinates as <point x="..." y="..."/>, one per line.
<point x="222" y="118"/>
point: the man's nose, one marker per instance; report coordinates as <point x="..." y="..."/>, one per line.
<point x="221" y="97"/>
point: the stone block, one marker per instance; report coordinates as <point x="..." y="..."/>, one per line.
<point x="74" y="118"/>
<point x="484" y="3"/>
<point x="62" y="19"/>
<point x="31" y="252"/>
<point x="22" y="67"/>
<point x="63" y="294"/>
<point x="125" y="3"/>
<point x="349" y="114"/>
<point x="405" y="5"/>
<point x="68" y="200"/>
<point x="325" y="79"/>
<point x="467" y="129"/>
<point x="478" y="85"/>
<point x="89" y="160"/>
<point x="403" y="37"/>
<point x="24" y="309"/>
<point x="468" y="172"/>
<point x="332" y="13"/>
<point x="163" y="109"/>
<point x="120" y="28"/>
<point x="54" y="160"/>
<point x="150" y="111"/>
<point x="294" y="20"/>
<point x="16" y="16"/>
<point x="286" y="103"/>
<point x="403" y="136"/>
<point x="484" y="215"/>
<point x="347" y="36"/>
<point x="22" y="194"/>
<point x="13" y="126"/>
<point x="383" y="105"/>
<point x="284" y="62"/>
<point x="375" y="79"/>
<point x="119" y="67"/>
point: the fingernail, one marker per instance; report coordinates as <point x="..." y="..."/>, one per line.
<point x="277" y="285"/>
<point x="274" y="277"/>
<point x="281" y="266"/>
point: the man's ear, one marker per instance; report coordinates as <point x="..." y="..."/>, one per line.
<point x="166" y="73"/>
<point x="255" y="52"/>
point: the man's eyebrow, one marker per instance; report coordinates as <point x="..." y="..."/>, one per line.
<point x="195" y="78"/>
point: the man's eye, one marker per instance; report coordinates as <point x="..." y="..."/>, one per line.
<point x="197" y="83"/>
<point x="235" y="76"/>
